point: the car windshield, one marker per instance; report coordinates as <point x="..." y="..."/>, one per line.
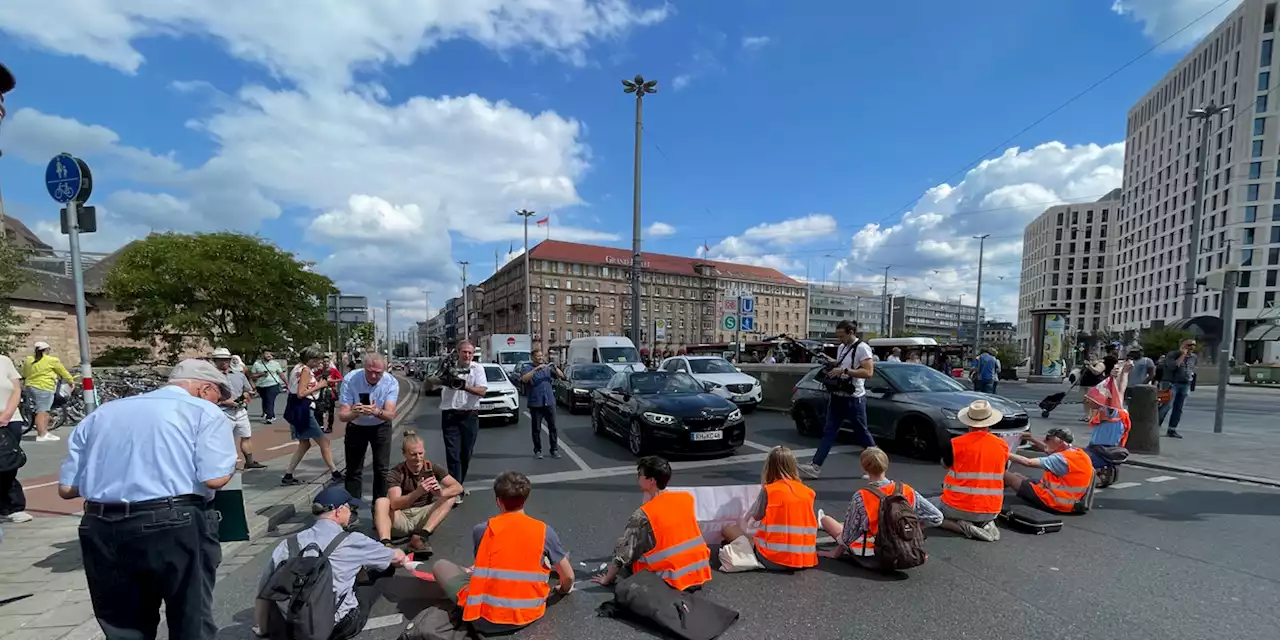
<point x="711" y="365"/>
<point x="592" y="372"/>
<point x="662" y="382"/>
<point x="621" y="355"/>
<point x="918" y="378"/>
<point x="495" y="374"/>
<point x="514" y="357"/>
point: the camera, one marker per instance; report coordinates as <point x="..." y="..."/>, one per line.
<point x="451" y="374"/>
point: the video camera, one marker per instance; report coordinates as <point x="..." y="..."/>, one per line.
<point x="451" y="374"/>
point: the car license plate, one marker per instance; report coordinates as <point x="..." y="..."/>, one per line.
<point x="741" y="398"/>
<point x="699" y="436"/>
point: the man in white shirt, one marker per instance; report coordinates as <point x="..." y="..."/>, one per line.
<point x="854" y="360"/>
<point x="458" y="414"/>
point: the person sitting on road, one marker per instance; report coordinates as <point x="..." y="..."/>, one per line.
<point x="1067" y="485"/>
<point x="973" y="490"/>
<point x="1104" y="404"/>
<point x="857" y="535"/>
<point x="507" y="588"/>
<point x="419" y="498"/>
<point x="355" y="554"/>
<point x="662" y="536"/>
<point x="788" y="535"/>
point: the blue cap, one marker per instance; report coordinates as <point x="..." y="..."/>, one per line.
<point x="333" y="497"/>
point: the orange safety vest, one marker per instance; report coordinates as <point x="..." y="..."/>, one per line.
<point x="975" y="482"/>
<point x="789" y="535"/>
<point x="1061" y="492"/>
<point x="865" y="544"/>
<point x="679" y="554"/>
<point x="509" y="583"/>
<point x="1096" y="420"/>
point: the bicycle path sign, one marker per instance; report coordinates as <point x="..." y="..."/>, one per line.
<point x="68" y="179"/>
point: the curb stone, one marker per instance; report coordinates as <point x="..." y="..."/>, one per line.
<point x="1196" y="471"/>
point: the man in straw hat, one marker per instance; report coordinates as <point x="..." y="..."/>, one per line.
<point x="973" y="491"/>
<point x="237" y="406"/>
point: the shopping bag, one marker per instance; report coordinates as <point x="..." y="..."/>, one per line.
<point x="719" y="506"/>
<point x="229" y="503"/>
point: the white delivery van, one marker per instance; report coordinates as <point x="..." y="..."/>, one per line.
<point x="509" y="349"/>
<point x="618" y="353"/>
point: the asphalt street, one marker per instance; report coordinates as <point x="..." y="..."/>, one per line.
<point x="1162" y="556"/>
<point x="1248" y="409"/>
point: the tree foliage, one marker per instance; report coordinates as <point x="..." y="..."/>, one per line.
<point x="233" y="290"/>
<point x="1157" y="342"/>
<point x="361" y="334"/>
<point x="12" y="276"/>
<point x="1009" y="354"/>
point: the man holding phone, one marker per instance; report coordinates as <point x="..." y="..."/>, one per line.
<point x="420" y="497"/>
<point x="542" y="401"/>
<point x="367" y="403"/>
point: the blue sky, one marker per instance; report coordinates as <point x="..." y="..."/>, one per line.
<point x="387" y="140"/>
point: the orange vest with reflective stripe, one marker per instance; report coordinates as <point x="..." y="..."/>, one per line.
<point x="865" y="544"/>
<point x="509" y="583"/>
<point x="1061" y="492"/>
<point x="679" y="554"/>
<point x="789" y="535"/>
<point x="975" y="482"/>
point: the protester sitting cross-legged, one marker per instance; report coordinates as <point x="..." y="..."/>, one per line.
<point x="507" y="589"/>
<point x="420" y="496"/>
<point x="973" y="490"/>
<point x="787" y="537"/>
<point x="857" y="536"/>
<point x="662" y="536"/>
<point x="1067" y="485"/>
<point x="350" y="554"/>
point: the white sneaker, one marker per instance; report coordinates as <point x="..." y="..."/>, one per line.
<point x="821" y="514"/>
<point x="20" y="517"/>
<point x="810" y="471"/>
<point x="48" y="437"/>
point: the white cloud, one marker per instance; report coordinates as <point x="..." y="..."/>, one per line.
<point x="755" y="43"/>
<point x="329" y="40"/>
<point x="771" y="244"/>
<point x="1164" y="18"/>
<point x="659" y="230"/>
<point x="681" y="81"/>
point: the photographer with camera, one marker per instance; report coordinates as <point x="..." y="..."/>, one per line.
<point x="845" y="378"/>
<point x="464" y="384"/>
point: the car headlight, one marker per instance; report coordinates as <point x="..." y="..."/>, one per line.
<point x="659" y="418"/>
<point x="712" y="385"/>
<point x="736" y="416"/>
<point x="581" y="392"/>
<point x="949" y="414"/>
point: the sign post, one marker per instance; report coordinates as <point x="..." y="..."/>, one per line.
<point x="746" y="322"/>
<point x="70" y="182"/>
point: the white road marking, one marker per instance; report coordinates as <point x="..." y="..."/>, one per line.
<point x="756" y="445"/>
<point x="1161" y="479"/>
<point x="43" y="484"/>
<point x="384" y="621"/>
<point x="283" y="446"/>
<point x="568" y="451"/>
<point x="1125" y="485"/>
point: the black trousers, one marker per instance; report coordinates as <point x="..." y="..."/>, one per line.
<point x="460" y="429"/>
<point x="358" y="438"/>
<point x="136" y="561"/>
<point x="12" y="499"/>
<point x="322" y="412"/>
<point x="538" y="415"/>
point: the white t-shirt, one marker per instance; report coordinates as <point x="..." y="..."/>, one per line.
<point x="295" y="376"/>
<point x="8" y="387"/>
<point x="894" y="359"/>
<point x="458" y="399"/>
<point x="849" y="358"/>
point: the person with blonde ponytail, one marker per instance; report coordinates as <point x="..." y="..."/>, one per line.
<point x="788" y="535"/>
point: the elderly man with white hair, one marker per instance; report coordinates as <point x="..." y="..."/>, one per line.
<point x="147" y="467"/>
<point x="367" y="403"/>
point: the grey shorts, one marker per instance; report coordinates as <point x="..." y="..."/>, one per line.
<point x="951" y="513"/>
<point x="41" y="400"/>
<point x="242" y="427"/>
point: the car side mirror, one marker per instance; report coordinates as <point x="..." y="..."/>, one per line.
<point x="738" y="369"/>
<point x="708" y="387"/>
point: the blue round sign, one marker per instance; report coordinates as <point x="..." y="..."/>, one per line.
<point x="63" y="178"/>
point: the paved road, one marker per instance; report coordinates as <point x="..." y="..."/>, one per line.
<point x="1162" y="557"/>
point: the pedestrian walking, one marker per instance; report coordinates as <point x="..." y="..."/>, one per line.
<point x="301" y="417"/>
<point x="1178" y="372"/>
<point x="13" y="502"/>
<point x="237" y="406"/>
<point x="267" y="375"/>
<point x="367" y="404"/>
<point x="542" y="401"/>
<point x="147" y="467"/>
<point x="459" y="404"/>
<point x="854" y="364"/>
<point x="42" y="372"/>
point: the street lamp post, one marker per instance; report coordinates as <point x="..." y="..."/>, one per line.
<point x="528" y="276"/>
<point x="466" y="312"/>
<point x="640" y="87"/>
<point x="1202" y="114"/>
<point x="977" y="306"/>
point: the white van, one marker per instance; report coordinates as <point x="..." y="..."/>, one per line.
<point x="618" y="353"/>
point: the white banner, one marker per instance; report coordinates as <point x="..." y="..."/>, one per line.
<point x="719" y="506"/>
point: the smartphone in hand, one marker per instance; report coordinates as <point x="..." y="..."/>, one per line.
<point x="364" y="399"/>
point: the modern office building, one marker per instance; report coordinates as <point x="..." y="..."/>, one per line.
<point x="1236" y="65"/>
<point x="582" y="290"/>
<point x="829" y="305"/>
<point x="925" y="318"/>
<point x="998" y="332"/>
<point x="1069" y="261"/>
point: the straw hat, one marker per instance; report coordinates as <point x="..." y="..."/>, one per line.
<point x="979" y="415"/>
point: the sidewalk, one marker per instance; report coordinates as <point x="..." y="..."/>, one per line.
<point x="42" y="557"/>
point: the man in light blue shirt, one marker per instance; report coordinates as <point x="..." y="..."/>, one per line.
<point x="988" y="369"/>
<point x="147" y="467"/>
<point x="367" y="403"/>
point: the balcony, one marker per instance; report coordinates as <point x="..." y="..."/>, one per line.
<point x="583" y="306"/>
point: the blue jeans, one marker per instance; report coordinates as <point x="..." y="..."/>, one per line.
<point x="841" y="409"/>
<point x="269" y="400"/>
<point x="1180" y="392"/>
<point x="984" y="386"/>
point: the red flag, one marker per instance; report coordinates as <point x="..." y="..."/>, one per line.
<point x="705" y="248"/>
<point x="544" y="220"/>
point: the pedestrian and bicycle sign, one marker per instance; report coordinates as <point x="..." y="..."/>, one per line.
<point x="748" y="324"/>
<point x="68" y="179"/>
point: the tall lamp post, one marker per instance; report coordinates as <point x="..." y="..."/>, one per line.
<point x="1202" y="114"/>
<point x="640" y="87"/>
<point x="977" y="306"/>
<point x="528" y="277"/>
<point x="466" y="311"/>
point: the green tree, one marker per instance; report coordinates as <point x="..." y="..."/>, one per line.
<point x="232" y="290"/>
<point x="361" y="334"/>
<point x="1157" y="342"/>
<point x="1009" y="355"/>
<point x="12" y="276"/>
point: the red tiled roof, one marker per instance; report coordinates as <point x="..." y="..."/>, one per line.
<point x="573" y="252"/>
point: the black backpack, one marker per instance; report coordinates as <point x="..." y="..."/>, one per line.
<point x="302" y="590"/>
<point x="900" y="540"/>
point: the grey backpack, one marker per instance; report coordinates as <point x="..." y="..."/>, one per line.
<point x="302" y="590"/>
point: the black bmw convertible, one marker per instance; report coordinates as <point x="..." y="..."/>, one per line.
<point x="666" y="412"/>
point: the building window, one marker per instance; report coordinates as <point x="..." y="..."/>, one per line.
<point x="1242" y="300"/>
<point x="1265" y="58"/>
<point x="1255" y="170"/>
<point x="1259" y="126"/>
<point x="1246" y="257"/>
<point x="1248" y="236"/>
<point x="1273" y="256"/>
<point x="551" y="298"/>
<point x="1251" y="213"/>
<point x="1271" y="277"/>
<point x="1256" y="151"/>
<point x="1251" y="193"/>
<point x="1245" y="278"/>
<point x="1264" y="81"/>
<point x="551" y="317"/>
<point x="1260" y="105"/>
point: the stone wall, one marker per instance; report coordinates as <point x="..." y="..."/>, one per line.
<point x="56" y="325"/>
